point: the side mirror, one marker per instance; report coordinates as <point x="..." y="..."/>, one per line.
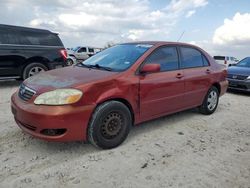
<point x="150" y="68"/>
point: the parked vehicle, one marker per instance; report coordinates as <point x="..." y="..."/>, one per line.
<point x="239" y="75"/>
<point x="101" y="98"/>
<point x="80" y="54"/>
<point x="226" y="60"/>
<point x="25" y="52"/>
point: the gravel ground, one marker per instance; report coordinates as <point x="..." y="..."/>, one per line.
<point x="186" y="149"/>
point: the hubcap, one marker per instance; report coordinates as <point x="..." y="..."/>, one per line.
<point x="69" y="62"/>
<point x="112" y="125"/>
<point x="35" y="70"/>
<point x="212" y="100"/>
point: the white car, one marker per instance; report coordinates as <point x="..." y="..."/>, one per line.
<point x="81" y="53"/>
<point x="226" y="60"/>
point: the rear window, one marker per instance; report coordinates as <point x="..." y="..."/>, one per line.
<point x="11" y="36"/>
<point x="219" y="57"/>
<point x="37" y="38"/>
<point x="191" y="58"/>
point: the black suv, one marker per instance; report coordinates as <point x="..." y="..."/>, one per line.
<point x="26" y="51"/>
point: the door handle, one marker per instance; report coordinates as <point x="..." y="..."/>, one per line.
<point x="179" y="75"/>
<point x="208" y="71"/>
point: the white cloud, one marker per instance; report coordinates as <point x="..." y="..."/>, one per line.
<point x="95" y="22"/>
<point x="190" y="13"/>
<point x="235" y="31"/>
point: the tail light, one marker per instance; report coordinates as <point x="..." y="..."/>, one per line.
<point x="64" y="54"/>
<point x="225" y="62"/>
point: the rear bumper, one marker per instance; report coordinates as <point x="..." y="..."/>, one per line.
<point x="240" y="85"/>
<point x="223" y="87"/>
<point x="34" y="119"/>
<point x="55" y="65"/>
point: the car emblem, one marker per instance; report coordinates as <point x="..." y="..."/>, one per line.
<point x="234" y="76"/>
<point x="22" y="91"/>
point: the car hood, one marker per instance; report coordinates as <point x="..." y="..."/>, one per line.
<point x="239" y="70"/>
<point x="68" y="77"/>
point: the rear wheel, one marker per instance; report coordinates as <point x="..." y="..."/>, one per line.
<point x="109" y="125"/>
<point x="33" y="69"/>
<point x="210" y="102"/>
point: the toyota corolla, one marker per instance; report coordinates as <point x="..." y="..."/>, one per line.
<point x="99" y="99"/>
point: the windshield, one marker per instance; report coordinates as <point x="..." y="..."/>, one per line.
<point x="244" y="62"/>
<point x="76" y="48"/>
<point x="119" y="57"/>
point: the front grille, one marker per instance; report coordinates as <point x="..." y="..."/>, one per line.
<point x="25" y="93"/>
<point x="237" y="77"/>
<point x="237" y="86"/>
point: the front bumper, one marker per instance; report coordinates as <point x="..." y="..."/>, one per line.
<point x="34" y="119"/>
<point x="240" y="85"/>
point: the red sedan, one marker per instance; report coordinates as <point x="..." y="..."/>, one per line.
<point x="99" y="99"/>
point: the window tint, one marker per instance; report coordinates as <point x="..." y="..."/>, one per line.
<point x="205" y="61"/>
<point x="191" y="58"/>
<point x="82" y="50"/>
<point x="91" y="50"/>
<point x="167" y="57"/>
<point x="4" y="36"/>
<point x="219" y="57"/>
<point x="10" y="36"/>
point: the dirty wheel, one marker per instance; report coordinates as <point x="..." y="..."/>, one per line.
<point x="210" y="102"/>
<point x="33" y="69"/>
<point x="109" y="125"/>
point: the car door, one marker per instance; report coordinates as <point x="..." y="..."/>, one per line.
<point x="162" y="92"/>
<point x="197" y="74"/>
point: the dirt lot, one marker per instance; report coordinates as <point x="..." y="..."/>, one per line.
<point x="186" y="149"/>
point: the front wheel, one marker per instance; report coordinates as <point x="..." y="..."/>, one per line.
<point x="210" y="102"/>
<point x="69" y="62"/>
<point x="109" y="125"/>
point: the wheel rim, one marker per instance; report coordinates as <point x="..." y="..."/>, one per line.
<point x="35" y="70"/>
<point x="212" y="100"/>
<point x="69" y="62"/>
<point x="112" y="125"/>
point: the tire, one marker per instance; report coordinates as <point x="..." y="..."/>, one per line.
<point x="109" y="125"/>
<point x="210" y="102"/>
<point x="32" y="69"/>
<point x="69" y="62"/>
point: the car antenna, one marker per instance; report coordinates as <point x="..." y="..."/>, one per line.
<point x="181" y="36"/>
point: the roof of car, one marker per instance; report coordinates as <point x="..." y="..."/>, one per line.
<point x="21" y="28"/>
<point x="159" y="43"/>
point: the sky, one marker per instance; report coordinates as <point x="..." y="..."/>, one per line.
<point x="221" y="27"/>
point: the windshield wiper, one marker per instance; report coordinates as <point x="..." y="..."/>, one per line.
<point x="101" y="67"/>
<point x="97" y="66"/>
<point x="83" y="65"/>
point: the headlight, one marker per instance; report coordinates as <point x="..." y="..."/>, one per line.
<point x="248" y="78"/>
<point x="59" y="97"/>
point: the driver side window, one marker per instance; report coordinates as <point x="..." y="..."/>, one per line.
<point x="82" y="50"/>
<point x="166" y="57"/>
